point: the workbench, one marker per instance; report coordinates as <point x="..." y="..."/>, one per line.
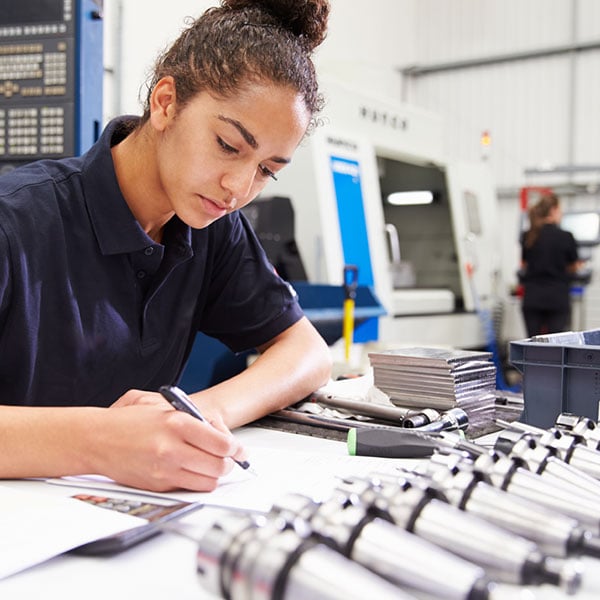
<point x="165" y="566"/>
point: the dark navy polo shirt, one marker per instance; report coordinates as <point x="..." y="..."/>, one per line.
<point x="90" y="306"/>
<point x="547" y="281"/>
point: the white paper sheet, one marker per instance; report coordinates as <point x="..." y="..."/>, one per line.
<point x="279" y="471"/>
<point x="35" y="527"/>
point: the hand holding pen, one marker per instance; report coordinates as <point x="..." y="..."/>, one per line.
<point x="179" y="400"/>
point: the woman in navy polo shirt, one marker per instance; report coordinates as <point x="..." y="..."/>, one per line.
<point x="111" y="262"/>
<point x="549" y="260"/>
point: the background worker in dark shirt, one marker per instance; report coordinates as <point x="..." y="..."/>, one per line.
<point x="549" y="261"/>
<point x="111" y="262"/>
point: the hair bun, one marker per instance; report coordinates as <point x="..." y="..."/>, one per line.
<point x="306" y="19"/>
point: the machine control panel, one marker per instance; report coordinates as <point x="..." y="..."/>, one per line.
<point x="39" y="79"/>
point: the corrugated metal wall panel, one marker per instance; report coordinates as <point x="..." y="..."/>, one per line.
<point x="458" y="29"/>
<point x="523" y="106"/>
<point x="587" y="108"/>
<point x="540" y="110"/>
<point x="588" y="19"/>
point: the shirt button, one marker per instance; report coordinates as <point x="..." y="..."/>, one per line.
<point x="149" y="251"/>
<point x="141" y="274"/>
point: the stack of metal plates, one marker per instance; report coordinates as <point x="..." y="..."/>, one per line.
<point x="437" y="378"/>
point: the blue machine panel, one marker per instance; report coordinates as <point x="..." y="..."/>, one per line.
<point x="51" y="79"/>
<point x="353" y="230"/>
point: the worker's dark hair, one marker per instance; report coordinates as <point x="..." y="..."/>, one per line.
<point x="538" y="215"/>
<point x="246" y="41"/>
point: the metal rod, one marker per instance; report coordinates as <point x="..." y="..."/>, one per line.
<point x="416" y="70"/>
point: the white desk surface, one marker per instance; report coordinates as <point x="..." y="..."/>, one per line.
<point x="164" y="567"/>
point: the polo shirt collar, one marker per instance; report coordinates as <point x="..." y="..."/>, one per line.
<point x="117" y="230"/>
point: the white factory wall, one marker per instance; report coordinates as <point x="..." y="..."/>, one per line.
<point x="540" y="112"/>
<point x="527" y="105"/>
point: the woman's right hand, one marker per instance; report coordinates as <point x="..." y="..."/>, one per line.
<point x="143" y="442"/>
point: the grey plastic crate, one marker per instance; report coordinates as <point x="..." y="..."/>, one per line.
<point x="561" y="373"/>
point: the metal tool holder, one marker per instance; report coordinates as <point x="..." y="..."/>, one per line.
<point x="506" y="557"/>
<point x="372" y="540"/>
<point x="516" y="514"/>
<point x="471" y="490"/>
<point x="566" y="445"/>
<point x="251" y="558"/>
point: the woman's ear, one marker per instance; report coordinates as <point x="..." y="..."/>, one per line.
<point x="162" y="103"/>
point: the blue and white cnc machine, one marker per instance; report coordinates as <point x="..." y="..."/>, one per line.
<point x="358" y="185"/>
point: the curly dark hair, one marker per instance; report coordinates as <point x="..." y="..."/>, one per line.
<point x="246" y="41"/>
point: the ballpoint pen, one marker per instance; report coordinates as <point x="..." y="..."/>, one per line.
<point x="179" y="400"/>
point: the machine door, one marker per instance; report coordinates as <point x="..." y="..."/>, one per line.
<point x="475" y="220"/>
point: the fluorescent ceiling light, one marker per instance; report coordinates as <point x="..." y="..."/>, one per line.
<point x="407" y="198"/>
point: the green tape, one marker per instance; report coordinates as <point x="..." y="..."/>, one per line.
<point x="352" y="442"/>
